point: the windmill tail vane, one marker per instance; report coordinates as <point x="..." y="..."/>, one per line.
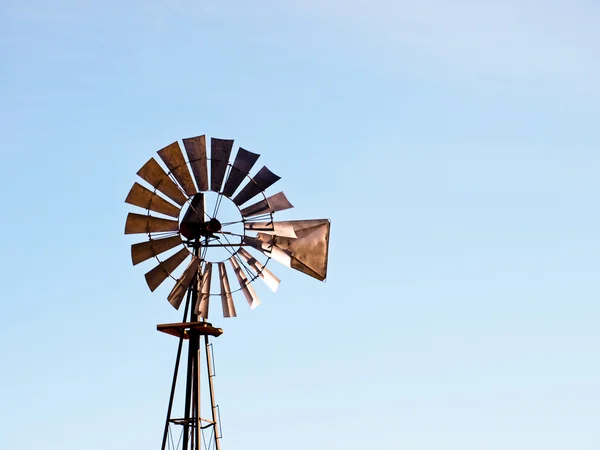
<point x="212" y="226"/>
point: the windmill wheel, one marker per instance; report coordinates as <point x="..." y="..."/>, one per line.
<point x="203" y="222"/>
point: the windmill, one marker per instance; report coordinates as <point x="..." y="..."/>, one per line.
<point x="211" y="227"/>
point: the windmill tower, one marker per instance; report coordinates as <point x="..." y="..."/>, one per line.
<point x="212" y="227"/>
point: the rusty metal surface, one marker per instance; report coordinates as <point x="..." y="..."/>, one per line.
<point x="220" y="149"/>
<point x="145" y="198"/>
<point x="244" y="160"/>
<point x="274" y="203"/>
<point x="142" y="223"/>
<point x="226" y="296"/>
<point x="196" y="152"/>
<point x="204" y="298"/>
<point x="156" y="276"/>
<point x="146" y="250"/>
<point x="265" y="274"/>
<point x="284" y="229"/>
<point x="195" y="212"/>
<point x="246" y="287"/>
<point x="173" y="158"/>
<point x="309" y="252"/>
<point x="183" y="283"/>
<point x="260" y="182"/>
<point x="264" y="243"/>
<point x="154" y="174"/>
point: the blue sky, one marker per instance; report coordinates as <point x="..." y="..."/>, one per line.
<point x="454" y="146"/>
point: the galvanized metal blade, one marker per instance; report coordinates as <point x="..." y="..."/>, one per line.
<point x="265" y="274"/>
<point x="145" y="198"/>
<point x="245" y="286"/>
<point x="265" y="244"/>
<point x="260" y="182"/>
<point x="220" y="149"/>
<point x="274" y="203"/>
<point x="154" y="247"/>
<point x="156" y="276"/>
<point x="173" y="158"/>
<point x="184" y="283"/>
<point x="142" y="223"/>
<point x="196" y="151"/>
<point x="284" y="229"/>
<point x="244" y="160"/>
<point x="202" y="303"/>
<point x="226" y="296"/>
<point x="152" y="173"/>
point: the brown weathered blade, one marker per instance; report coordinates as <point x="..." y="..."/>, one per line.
<point x="260" y="182"/>
<point x="265" y="244"/>
<point x="309" y="252"/>
<point x="274" y="203"/>
<point x="142" y="223"/>
<point x="173" y="158"/>
<point x="220" y="149"/>
<point x="284" y="229"/>
<point x="158" y="178"/>
<point x="184" y="283"/>
<point x="244" y="160"/>
<point x="226" y="296"/>
<point x="245" y="285"/>
<point x="145" y="198"/>
<point x="204" y="298"/>
<point x="156" y="276"/>
<point x="196" y="151"/>
<point x="265" y="274"/>
<point x="195" y="212"/>
<point x="154" y="247"/>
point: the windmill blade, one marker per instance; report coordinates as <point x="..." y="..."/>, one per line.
<point x="196" y="151"/>
<point x="154" y="247"/>
<point x="220" y="149"/>
<point x="265" y="274"/>
<point x="265" y="244"/>
<point x="309" y="253"/>
<point x="173" y="158"/>
<point x="152" y="173"/>
<point x="260" y="182"/>
<point x="184" y="283"/>
<point x="226" y="297"/>
<point x="284" y="229"/>
<point x="156" y="276"/>
<point x="142" y="223"/>
<point x="247" y="289"/>
<point x="244" y="160"/>
<point x="274" y="203"/>
<point x="145" y="198"/>
<point x="203" y="300"/>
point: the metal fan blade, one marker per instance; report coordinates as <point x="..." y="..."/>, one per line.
<point x="284" y="229"/>
<point x="184" y="283"/>
<point x="146" y="250"/>
<point x="173" y="158"/>
<point x="247" y="289"/>
<point x="265" y="274"/>
<point x="226" y="297"/>
<point x="195" y="212"/>
<point x="274" y="203"/>
<point x="156" y="276"/>
<point x="220" y="149"/>
<point x="203" y="301"/>
<point x="309" y="252"/>
<point x="260" y="182"/>
<point x="142" y="223"/>
<point x="196" y="151"/>
<point x="244" y="160"/>
<point x="264" y="244"/>
<point x="158" y="178"/>
<point x="145" y="198"/>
